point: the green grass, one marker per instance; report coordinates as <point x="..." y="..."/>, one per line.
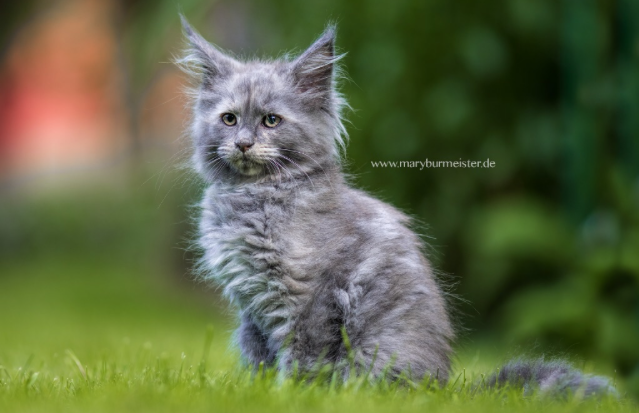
<point x="93" y="318"/>
<point x="132" y="378"/>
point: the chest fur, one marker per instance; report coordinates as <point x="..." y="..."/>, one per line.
<point x="242" y="235"/>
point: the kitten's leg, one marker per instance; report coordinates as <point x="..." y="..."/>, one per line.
<point x="390" y="332"/>
<point x="253" y="344"/>
<point x="315" y="338"/>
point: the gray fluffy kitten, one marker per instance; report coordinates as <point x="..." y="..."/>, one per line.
<point x="300" y="253"/>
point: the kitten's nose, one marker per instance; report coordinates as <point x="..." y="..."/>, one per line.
<point x="243" y="147"/>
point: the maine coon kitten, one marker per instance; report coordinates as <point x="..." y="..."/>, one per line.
<point x="300" y="253"/>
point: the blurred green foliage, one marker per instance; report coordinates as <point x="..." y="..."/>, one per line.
<point x="545" y="246"/>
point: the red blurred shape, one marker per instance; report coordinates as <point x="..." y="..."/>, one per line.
<point x="60" y="91"/>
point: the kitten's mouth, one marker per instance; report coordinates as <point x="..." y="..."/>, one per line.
<point x="246" y="165"/>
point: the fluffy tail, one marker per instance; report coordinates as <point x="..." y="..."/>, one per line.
<point x="555" y="378"/>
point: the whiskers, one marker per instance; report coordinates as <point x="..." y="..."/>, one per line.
<point x="216" y="162"/>
<point x="278" y="168"/>
<point x="312" y="159"/>
<point x="298" y="167"/>
<point x="263" y="163"/>
<point x="277" y="164"/>
<point x="275" y="168"/>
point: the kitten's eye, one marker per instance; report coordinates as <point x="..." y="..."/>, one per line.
<point x="271" y="121"/>
<point x="229" y="119"/>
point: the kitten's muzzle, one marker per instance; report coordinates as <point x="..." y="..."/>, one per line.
<point x="243" y="147"/>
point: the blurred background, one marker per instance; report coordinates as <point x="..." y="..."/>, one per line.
<point x="542" y="250"/>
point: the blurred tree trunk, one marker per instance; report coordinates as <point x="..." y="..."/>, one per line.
<point x="627" y="122"/>
<point x="581" y="63"/>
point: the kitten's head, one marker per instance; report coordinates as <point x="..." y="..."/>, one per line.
<point x="257" y="118"/>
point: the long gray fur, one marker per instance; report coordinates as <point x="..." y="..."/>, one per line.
<point x="299" y="252"/>
<point x="553" y="377"/>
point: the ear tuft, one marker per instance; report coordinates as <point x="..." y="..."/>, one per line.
<point x="313" y="70"/>
<point x="188" y="30"/>
<point x="202" y="57"/>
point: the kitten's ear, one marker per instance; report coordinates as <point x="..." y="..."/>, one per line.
<point x="203" y="57"/>
<point x="313" y="70"/>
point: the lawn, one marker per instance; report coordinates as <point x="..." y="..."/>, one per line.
<point x="97" y="313"/>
